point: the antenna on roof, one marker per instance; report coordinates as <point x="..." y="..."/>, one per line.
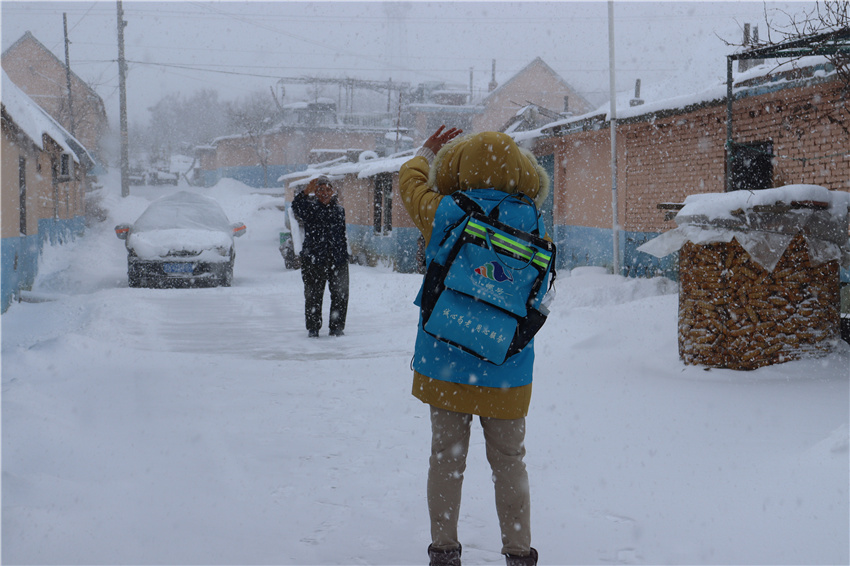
<point x="637" y="100"/>
<point x="749" y="41"/>
<point x="493" y="84"/>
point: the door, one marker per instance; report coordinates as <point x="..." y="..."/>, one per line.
<point x="22" y="194"/>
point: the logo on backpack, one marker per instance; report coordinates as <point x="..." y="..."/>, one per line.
<point x="494" y="271"/>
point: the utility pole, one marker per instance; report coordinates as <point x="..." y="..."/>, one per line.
<point x="613" y="94"/>
<point x="122" y="91"/>
<point x="68" y="73"/>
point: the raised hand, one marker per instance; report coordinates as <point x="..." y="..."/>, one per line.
<point x="440" y="138"/>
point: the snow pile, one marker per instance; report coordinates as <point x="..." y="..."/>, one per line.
<point x="764" y="222"/>
<point x="202" y="426"/>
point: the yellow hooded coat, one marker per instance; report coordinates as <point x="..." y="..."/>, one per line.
<point x="487" y="160"/>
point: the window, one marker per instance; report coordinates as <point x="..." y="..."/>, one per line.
<point x="66" y="168"/>
<point x="383" y="203"/>
<point x="22" y="194"/>
<point x="752" y="166"/>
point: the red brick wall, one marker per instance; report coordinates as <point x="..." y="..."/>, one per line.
<point x="666" y="158"/>
<point x="808" y="130"/>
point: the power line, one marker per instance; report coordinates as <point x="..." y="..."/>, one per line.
<point x="138" y="9"/>
<point x="210" y="67"/>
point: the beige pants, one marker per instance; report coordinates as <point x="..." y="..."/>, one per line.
<point x="505" y="443"/>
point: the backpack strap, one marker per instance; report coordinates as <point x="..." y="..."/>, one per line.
<point x="469" y="206"/>
<point x="466" y="204"/>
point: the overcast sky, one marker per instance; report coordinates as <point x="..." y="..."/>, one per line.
<point x="241" y="47"/>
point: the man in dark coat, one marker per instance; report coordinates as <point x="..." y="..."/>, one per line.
<point x="324" y="254"/>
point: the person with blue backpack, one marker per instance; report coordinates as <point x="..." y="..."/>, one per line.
<point x="456" y="378"/>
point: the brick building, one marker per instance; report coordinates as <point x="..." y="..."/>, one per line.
<point x="42" y="76"/>
<point x="536" y="87"/>
<point x="43" y="187"/>
<point x="305" y="129"/>
<point x="788" y="128"/>
<point x="536" y="84"/>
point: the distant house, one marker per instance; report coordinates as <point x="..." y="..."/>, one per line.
<point x="378" y="226"/>
<point x="536" y="85"/>
<point x="534" y="96"/>
<point x="43" y="187"/>
<point x="304" y="133"/>
<point x="42" y="76"/>
<point x="309" y="132"/>
<point x="433" y="104"/>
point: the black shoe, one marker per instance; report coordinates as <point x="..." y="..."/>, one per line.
<point x="444" y="557"/>
<point x="530" y="560"/>
<point x="337" y="332"/>
<point x="312" y="333"/>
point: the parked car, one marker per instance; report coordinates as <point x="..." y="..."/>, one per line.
<point x="162" y="177"/>
<point x="137" y="177"/>
<point x="183" y="239"/>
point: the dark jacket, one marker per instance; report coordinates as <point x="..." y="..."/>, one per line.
<point x="324" y="230"/>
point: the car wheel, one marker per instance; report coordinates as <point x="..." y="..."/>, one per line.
<point x="134" y="276"/>
<point x="227" y="274"/>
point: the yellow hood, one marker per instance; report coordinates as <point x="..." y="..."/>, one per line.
<point x="488" y="160"/>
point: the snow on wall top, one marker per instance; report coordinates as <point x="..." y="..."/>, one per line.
<point x="764" y="222"/>
<point x="722" y="205"/>
<point x="31" y="118"/>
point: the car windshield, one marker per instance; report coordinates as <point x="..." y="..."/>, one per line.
<point x="183" y="210"/>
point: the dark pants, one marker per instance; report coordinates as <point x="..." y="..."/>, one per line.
<point x="315" y="276"/>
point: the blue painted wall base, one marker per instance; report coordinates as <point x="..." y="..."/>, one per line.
<point x="20" y="254"/>
<point x="397" y="247"/>
<point x="580" y="246"/>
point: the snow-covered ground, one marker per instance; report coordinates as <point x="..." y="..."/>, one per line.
<point x="203" y="426"/>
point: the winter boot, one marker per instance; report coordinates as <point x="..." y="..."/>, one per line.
<point x="530" y="560"/>
<point x="444" y="557"/>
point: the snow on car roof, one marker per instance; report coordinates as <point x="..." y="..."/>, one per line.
<point x="183" y="209"/>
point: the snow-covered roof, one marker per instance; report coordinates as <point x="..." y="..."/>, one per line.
<point x="770" y="75"/>
<point x="33" y="120"/>
<point x="392" y="136"/>
<point x="457" y="108"/>
<point x="367" y="166"/>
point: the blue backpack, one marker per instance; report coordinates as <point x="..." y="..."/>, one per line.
<point x="483" y="290"/>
